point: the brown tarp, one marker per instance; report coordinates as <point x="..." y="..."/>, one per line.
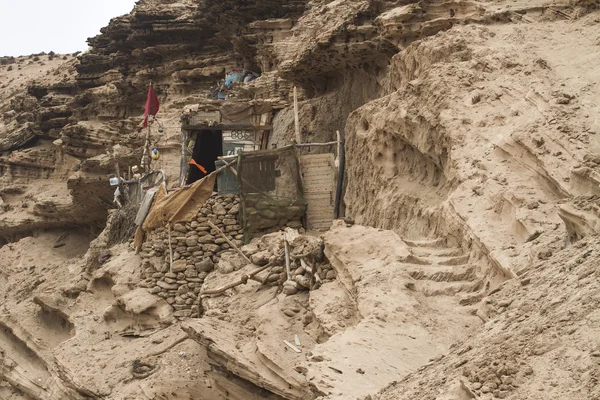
<point x="241" y="111"/>
<point x="181" y="205"/>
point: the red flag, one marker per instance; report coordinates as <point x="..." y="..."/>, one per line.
<point x="152" y="105"/>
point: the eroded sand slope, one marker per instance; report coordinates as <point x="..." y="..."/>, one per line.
<point x="466" y="267"/>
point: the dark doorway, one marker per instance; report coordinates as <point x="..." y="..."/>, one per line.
<point x="209" y="146"/>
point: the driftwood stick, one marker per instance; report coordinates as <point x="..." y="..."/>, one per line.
<point x="229" y="241"/>
<point x="243" y="280"/>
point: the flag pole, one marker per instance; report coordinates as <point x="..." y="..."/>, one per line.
<point x="146" y="155"/>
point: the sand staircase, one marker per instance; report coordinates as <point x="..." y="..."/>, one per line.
<point x="440" y="270"/>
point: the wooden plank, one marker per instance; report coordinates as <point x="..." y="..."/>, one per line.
<point x="316" y="164"/>
<point x="322" y="216"/>
<point x="320" y="222"/>
<point x="319" y="180"/>
<point x="321" y="191"/>
<point x="291" y="346"/>
<point x="316" y="178"/>
<point x="328" y="216"/>
<point x="323" y="170"/>
<point x="317" y="169"/>
<point x="316" y="159"/>
<point x="321" y="211"/>
<point x="316" y="190"/>
<point x="322" y="226"/>
<point x="322" y="202"/>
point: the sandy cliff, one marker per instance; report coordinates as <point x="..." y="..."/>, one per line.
<point x="466" y="266"/>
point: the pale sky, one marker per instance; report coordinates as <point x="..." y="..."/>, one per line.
<point x="62" y="26"/>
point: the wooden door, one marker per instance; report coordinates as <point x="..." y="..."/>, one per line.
<point x="318" y="178"/>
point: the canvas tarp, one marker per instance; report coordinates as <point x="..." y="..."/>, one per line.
<point x="181" y="205"/>
<point x="242" y="111"/>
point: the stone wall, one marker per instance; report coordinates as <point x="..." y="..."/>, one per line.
<point x="267" y="215"/>
<point x="196" y="249"/>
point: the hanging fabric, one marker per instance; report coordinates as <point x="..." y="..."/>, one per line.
<point x="152" y="105"/>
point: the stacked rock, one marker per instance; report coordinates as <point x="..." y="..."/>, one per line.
<point x="265" y="214"/>
<point x="308" y="265"/>
<point x="305" y="279"/>
<point x="196" y="249"/>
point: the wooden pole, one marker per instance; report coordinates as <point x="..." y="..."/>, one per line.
<point x="316" y="144"/>
<point x="170" y="250"/>
<point x="145" y="163"/>
<point x="229" y="241"/>
<point x="340" y="182"/>
<point x="296" y="117"/>
<point x="148" y="155"/>
<point x="118" y="171"/>
<point x="183" y="163"/>
<point x="339" y="149"/>
<point x="287" y="258"/>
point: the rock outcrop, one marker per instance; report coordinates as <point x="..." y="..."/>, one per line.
<point x="470" y="194"/>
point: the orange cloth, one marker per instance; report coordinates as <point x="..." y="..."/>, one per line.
<point x="192" y="162"/>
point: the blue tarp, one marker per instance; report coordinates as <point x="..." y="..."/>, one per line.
<point x="233" y="77"/>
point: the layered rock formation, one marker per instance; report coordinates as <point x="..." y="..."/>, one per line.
<point x="470" y="160"/>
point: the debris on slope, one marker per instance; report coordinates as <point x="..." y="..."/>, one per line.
<point x="351" y="329"/>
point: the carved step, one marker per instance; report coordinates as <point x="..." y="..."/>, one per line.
<point x="440" y="273"/>
<point x="436" y="252"/>
<point x="435" y="243"/>
<point x="430" y="288"/>
<point x="460" y="260"/>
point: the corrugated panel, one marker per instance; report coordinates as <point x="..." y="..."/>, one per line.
<point x="318" y="178"/>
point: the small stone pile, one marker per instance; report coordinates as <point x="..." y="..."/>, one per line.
<point x="196" y="249"/>
<point x="308" y="264"/>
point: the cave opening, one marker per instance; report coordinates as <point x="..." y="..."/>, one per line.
<point x="207" y="149"/>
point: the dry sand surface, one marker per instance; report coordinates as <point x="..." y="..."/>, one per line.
<point x="466" y="266"/>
